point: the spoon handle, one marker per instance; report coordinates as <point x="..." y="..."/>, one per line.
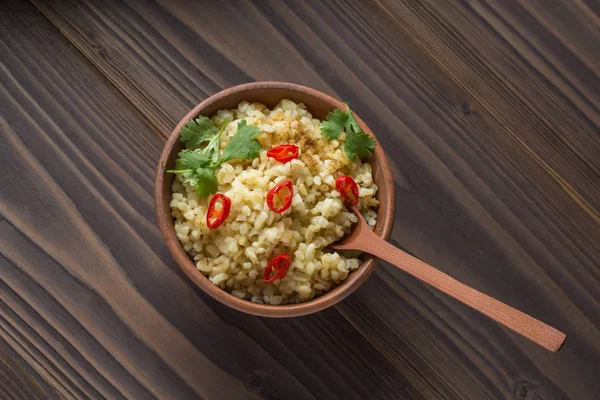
<point x="531" y="328"/>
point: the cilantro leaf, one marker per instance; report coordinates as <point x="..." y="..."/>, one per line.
<point x="192" y="164"/>
<point x="206" y="182"/>
<point x="212" y="148"/>
<point x="192" y="159"/>
<point x="243" y="144"/>
<point x="334" y="124"/>
<point x="357" y="142"/>
<point x="189" y="161"/>
<point x="197" y="132"/>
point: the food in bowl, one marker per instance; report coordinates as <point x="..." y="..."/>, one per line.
<point x="261" y="193"/>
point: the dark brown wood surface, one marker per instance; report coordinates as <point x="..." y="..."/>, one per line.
<point x="490" y="112"/>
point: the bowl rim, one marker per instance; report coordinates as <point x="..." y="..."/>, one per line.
<point x="165" y="221"/>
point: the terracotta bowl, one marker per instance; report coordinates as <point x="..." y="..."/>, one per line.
<point x="270" y="94"/>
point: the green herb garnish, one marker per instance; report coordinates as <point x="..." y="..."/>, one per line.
<point x="199" y="131"/>
<point x="198" y="164"/>
<point x="357" y="142"/>
<point x="243" y="144"/>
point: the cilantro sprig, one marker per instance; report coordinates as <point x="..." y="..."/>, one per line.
<point x="357" y="142"/>
<point x="198" y="164"/>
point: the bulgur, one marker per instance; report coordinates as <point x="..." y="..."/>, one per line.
<point x="235" y="255"/>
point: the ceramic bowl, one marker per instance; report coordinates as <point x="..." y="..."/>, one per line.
<point x="270" y="94"/>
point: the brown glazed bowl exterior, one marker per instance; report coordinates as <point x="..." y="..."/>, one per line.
<point x="270" y="94"/>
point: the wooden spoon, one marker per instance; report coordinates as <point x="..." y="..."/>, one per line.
<point x="364" y="239"/>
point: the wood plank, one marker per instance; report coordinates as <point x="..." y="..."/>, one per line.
<point x="531" y="110"/>
<point x="81" y="257"/>
<point x="174" y="63"/>
<point x="18" y="383"/>
<point x="494" y="123"/>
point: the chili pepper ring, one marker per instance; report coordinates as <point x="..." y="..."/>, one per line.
<point x="214" y="217"/>
<point x="281" y="265"/>
<point x="284" y="152"/>
<point x="287" y="201"/>
<point x="348" y="189"/>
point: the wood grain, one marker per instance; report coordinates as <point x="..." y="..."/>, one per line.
<point x="492" y="112"/>
<point x="15" y="382"/>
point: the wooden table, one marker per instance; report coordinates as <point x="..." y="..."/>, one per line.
<point x="490" y="113"/>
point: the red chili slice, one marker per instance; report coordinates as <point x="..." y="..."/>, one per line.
<point x="348" y="189"/>
<point x="284" y="153"/>
<point x="286" y="201"/>
<point x="280" y="264"/>
<point x="214" y="217"/>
